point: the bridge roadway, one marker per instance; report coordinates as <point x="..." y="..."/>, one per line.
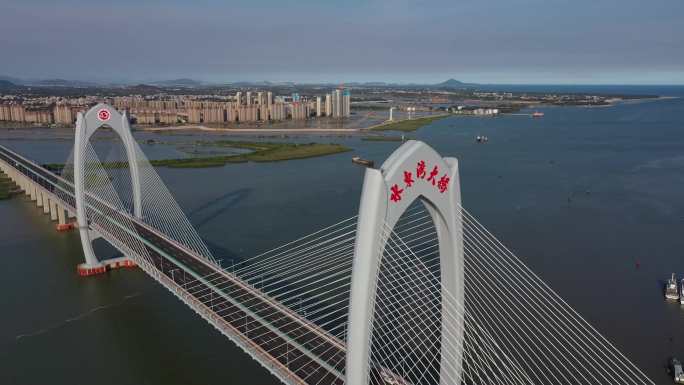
<point x="291" y="347"/>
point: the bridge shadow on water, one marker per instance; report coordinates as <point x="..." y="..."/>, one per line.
<point x="207" y="212"/>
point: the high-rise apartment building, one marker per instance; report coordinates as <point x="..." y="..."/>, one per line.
<point x="277" y="111"/>
<point x="346" y="103"/>
<point x="340" y="103"/>
<point x="328" y="105"/>
<point x="337" y="103"/>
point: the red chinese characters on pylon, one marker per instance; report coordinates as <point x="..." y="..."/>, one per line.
<point x="421" y="173"/>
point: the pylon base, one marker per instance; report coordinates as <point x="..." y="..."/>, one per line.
<point x="86" y="270"/>
<point x="65" y="227"/>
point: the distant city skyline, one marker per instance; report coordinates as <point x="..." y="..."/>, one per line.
<point x="502" y="42"/>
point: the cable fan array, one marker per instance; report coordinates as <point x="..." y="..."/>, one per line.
<point x="509" y="328"/>
<point x="111" y="182"/>
<point x="103" y="205"/>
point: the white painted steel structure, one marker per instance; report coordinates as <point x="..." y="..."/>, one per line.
<point x="86" y="125"/>
<point x="377" y="211"/>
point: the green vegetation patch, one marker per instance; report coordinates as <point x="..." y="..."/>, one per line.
<point x="408" y="125"/>
<point x="383" y="138"/>
<point x="261" y="152"/>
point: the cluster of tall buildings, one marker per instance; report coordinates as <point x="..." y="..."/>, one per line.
<point x="248" y="106"/>
<point x="44" y="110"/>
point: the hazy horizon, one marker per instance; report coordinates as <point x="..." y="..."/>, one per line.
<point x="529" y="42"/>
<point x="132" y="82"/>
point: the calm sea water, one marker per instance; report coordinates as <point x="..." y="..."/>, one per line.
<point x="582" y="195"/>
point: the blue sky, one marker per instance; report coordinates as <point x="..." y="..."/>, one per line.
<point x="486" y="41"/>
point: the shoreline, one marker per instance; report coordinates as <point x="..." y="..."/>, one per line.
<point x="250" y="130"/>
<point x="386" y="125"/>
<point x="358" y="130"/>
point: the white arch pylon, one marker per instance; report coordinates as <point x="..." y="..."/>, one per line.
<point x="413" y="171"/>
<point x="86" y="125"/>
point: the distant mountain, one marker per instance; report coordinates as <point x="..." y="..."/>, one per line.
<point x="48" y="82"/>
<point x="453" y="83"/>
<point x="59" y="83"/>
<point x="143" y="89"/>
<point x="15" y="81"/>
<point x="5" y="84"/>
<point x="184" y="82"/>
<point x="263" y="83"/>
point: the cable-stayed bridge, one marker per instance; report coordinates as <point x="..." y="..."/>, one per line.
<point x="413" y="290"/>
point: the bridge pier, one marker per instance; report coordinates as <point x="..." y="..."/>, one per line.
<point x="20" y="181"/>
<point x="91" y="266"/>
<point x="46" y="203"/>
<point x="53" y="210"/>
<point x="61" y="215"/>
<point x="39" y="197"/>
<point x="62" y="223"/>
<point x="27" y="186"/>
<point x="32" y="191"/>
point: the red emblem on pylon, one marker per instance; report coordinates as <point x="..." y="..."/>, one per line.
<point x="104" y="115"/>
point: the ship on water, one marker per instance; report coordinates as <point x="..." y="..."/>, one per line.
<point x="676" y="371"/>
<point x="537" y="114"/>
<point x="361" y="161"/>
<point x="681" y="297"/>
<point x="671" y="291"/>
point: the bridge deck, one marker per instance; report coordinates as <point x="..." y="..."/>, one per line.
<point x="298" y="351"/>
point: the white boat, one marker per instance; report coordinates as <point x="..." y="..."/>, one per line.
<point x="671" y="291"/>
<point x="681" y="297"/>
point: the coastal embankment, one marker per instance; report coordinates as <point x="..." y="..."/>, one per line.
<point x="407" y="125"/>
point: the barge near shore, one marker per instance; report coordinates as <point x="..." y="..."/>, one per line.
<point x="361" y="161"/>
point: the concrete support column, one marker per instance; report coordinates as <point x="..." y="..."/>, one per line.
<point x="46" y="203"/>
<point x="32" y="188"/>
<point x="39" y="197"/>
<point x="53" y="210"/>
<point x="61" y="215"/>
